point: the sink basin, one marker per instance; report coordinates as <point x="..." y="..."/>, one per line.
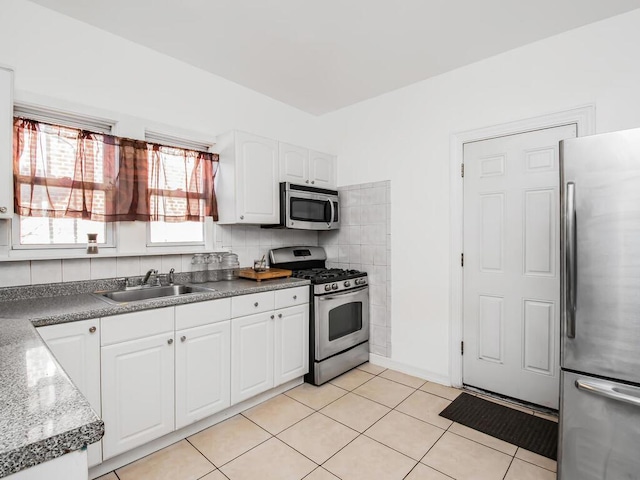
<point x="149" y="293"/>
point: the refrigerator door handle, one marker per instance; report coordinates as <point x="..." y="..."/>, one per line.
<point x="571" y="263"/>
<point x="620" y="393"/>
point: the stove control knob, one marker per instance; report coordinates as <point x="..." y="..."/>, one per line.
<point x="334" y="286"/>
<point x="347" y="283"/>
<point x="327" y="288"/>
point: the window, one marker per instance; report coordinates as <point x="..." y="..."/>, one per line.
<point x="174" y="171"/>
<point x="47" y="169"/>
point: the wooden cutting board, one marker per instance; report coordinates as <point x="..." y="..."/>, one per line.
<point x="266" y="274"/>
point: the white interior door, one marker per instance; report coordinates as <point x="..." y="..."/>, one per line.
<point x="511" y="265"/>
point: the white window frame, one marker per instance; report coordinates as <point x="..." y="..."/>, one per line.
<point x="188" y="143"/>
<point x="72" y="120"/>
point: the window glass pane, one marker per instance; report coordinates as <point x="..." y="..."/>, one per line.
<point x="182" y="232"/>
<point x="52" y="231"/>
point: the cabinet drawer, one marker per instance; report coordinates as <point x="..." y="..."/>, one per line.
<point x="202" y="313"/>
<point x="291" y="297"/>
<point x="130" y="326"/>
<point x="250" y="304"/>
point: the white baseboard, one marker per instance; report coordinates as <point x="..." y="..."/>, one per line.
<point x="409" y="369"/>
<point x="173" y="437"/>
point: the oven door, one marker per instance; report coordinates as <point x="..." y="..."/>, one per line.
<point x="311" y="211"/>
<point x="341" y="321"/>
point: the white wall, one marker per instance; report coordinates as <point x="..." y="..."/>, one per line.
<point x="70" y="61"/>
<point x="404" y="136"/>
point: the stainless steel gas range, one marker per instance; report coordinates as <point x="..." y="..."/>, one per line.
<point x="339" y="311"/>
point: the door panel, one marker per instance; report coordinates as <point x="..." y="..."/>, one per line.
<point x="322" y="170"/>
<point x="511" y="265"/>
<point x="605" y="170"/>
<point x="294" y="164"/>
<point x="291" y="343"/>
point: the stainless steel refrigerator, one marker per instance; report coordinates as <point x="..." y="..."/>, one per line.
<point x="600" y="377"/>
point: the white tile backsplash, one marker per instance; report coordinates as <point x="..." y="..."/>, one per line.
<point x="76" y="269"/>
<point x="15" y="273"/>
<point x="127" y="266"/>
<point x="103" y="268"/>
<point x="150" y="262"/>
<point x="46" y="271"/>
<point x="363" y="243"/>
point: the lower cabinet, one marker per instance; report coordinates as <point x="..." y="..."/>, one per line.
<point x="76" y="346"/>
<point x="203" y="368"/>
<point x="137" y="392"/>
<point x="267" y="350"/>
<point x="252" y="350"/>
<point x="291" y="343"/>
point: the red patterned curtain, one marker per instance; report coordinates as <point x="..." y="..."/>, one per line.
<point x="66" y="172"/>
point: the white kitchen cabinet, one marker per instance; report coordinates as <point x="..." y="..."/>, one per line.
<point x="252" y="350"/>
<point x="6" y="143"/>
<point x="291" y="343"/>
<point x="247" y="188"/>
<point x="322" y="170"/>
<point x="306" y="167"/>
<point x="76" y="346"/>
<point x="203" y="365"/>
<point x="137" y="392"/>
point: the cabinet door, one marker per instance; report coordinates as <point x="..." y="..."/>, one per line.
<point x="76" y="346"/>
<point x="6" y="143"/>
<point x="291" y="343"/>
<point x="322" y="170"/>
<point x="203" y="368"/>
<point x="257" y="188"/>
<point x="137" y="392"/>
<point x="251" y="355"/>
<point x="294" y="164"/>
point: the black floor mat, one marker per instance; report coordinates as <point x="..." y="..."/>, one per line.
<point x="518" y="428"/>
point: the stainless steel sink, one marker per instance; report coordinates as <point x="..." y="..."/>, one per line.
<point x="149" y="293"/>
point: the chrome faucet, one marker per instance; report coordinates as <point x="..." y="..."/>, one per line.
<point x="145" y="281"/>
<point x="170" y="276"/>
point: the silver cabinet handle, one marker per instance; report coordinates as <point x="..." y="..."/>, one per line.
<point x="241" y="217"/>
<point x="255" y="304"/>
<point x="272" y="317"/>
<point x="571" y="263"/>
<point x="170" y="341"/>
<point x="313" y="182"/>
<point x="307" y="181"/>
<point x="183" y="338"/>
<point x="3" y="209"/>
<point x="279" y="315"/>
<point x="295" y="297"/>
<point x="621" y="393"/>
<point x="92" y="330"/>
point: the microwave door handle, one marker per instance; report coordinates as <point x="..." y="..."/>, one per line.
<point x="332" y="213"/>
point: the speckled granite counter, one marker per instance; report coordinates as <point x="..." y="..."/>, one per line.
<point x="42" y="414"/>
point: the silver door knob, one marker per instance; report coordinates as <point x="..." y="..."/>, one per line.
<point x="279" y="315"/>
<point x="92" y="330"/>
<point x="170" y="341"/>
<point x="295" y="297"/>
<point x="3" y="209"/>
<point x="255" y="304"/>
<point x="183" y="338"/>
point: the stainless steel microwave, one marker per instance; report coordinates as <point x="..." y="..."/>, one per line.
<point x="308" y="208"/>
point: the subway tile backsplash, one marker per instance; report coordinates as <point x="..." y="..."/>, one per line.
<point x="364" y="243"/>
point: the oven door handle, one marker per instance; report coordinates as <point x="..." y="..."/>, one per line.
<point x="340" y="296"/>
<point x="332" y="212"/>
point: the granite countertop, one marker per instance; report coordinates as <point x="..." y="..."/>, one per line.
<point x="42" y="413"/>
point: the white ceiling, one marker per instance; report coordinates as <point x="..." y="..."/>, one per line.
<point x="323" y="55"/>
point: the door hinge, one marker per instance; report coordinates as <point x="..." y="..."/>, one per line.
<point x="462" y="347"/>
<point x="462" y="170"/>
<point x="462" y="259"/>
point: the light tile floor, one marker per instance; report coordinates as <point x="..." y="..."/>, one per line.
<point x="369" y="423"/>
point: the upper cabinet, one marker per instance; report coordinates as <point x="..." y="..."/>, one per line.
<point x="6" y="143"/>
<point x="301" y="166"/>
<point x="247" y="184"/>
